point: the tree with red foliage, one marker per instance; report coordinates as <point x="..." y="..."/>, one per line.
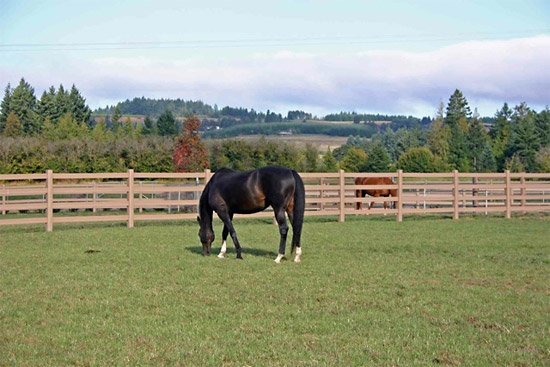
<point x="190" y="153"/>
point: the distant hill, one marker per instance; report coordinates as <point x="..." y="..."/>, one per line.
<point x="213" y="118"/>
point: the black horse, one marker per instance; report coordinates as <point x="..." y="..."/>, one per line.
<point x="230" y="192"/>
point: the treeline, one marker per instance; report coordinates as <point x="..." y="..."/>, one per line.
<point x="293" y="128"/>
<point x="155" y="107"/>
<point x="518" y="140"/>
<point x="148" y="154"/>
<point x="396" y="121"/>
<point x="21" y="113"/>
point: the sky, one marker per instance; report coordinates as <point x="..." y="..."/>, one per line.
<point x="370" y="56"/>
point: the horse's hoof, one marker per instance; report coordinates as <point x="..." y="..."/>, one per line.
<point x="239" y="257"/>
<point x="297" y="259"/>
<point x="221" y="256"/>
<point x="278" y="259"/>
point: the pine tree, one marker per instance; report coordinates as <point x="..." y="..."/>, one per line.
<point x="440" y="135"/>
<point x="13" y="127"/>
<point x="457" y="116"/>
<point x="99" y="132"/>
<point x="500" y="134"/>
<point x="457" y="108"/>
<point x="115" y="120"/>
<point x="330" y="164"/>
<point x="128" y="127"/>
<point x="190" y="154"/>
<point x="46" y="107"/>
<point x="77" y="106"/>
<point x="378" y="159"/>
<point x="148" y="126"/>
<point x="542" y="127"/>
<point x="61" y="104"/>
<point x="23" y="103"/>
<point x="5" y="107"/>
<point x="524" y="141"/>
<point x="477" y="140"/>
<point x="167" y="124"/>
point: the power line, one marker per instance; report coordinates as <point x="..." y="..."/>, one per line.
<point x="246" y="43"/>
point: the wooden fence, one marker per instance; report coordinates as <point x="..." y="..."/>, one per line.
<point x="52" y="198"/>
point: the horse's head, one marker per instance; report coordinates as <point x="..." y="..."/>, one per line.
<point x="206" y="234"/>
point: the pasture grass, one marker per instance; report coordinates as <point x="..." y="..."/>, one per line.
<point x="369" y="292"/>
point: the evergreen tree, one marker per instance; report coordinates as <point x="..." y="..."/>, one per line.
<point x="477" y="140"/>
<point x="13" y="126"/>
<point x="543" y="159"/>
<point x="23" y="103"/>
<point x="148" y="126"/>
<point x="167" y="124"/>
<point x="99" y="132"/>
<point x="46" y="108"/>
<point x="524" y="141"/>
<point x="128" y="128"/>
<point x="542" y="127"/>
<point x="486" y="161"/>
<point x="330" y="164"/>
<point x="115" y="120"/>
<point x="311" y="156"/>
<point x="378" y="159"/>
<point x="440" y="135"/>
<point x="77" y="106"/>
<point x="457" y="116"/>
<point x="457" y="108"/>
<point x="500" y="134"/>
<point x="5" y="107"/>
<point x="61" y="103"/>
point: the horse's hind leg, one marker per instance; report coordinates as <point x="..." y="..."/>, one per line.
<point x="296" y="233"/>
<point x="283" y="230"/>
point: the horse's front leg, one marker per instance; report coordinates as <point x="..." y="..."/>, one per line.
<point x="228" y="224"/>
<point x="223" y="250"/>
<point x="283" y="230"/>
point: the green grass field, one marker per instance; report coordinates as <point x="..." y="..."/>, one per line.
<point x="369" y="292"/>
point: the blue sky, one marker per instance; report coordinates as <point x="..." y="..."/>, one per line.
<point x="320" y="56"/>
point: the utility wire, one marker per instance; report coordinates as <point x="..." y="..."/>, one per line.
<point x="246" y="43"/>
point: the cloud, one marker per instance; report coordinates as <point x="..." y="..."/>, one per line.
<point x="488" y="73"/>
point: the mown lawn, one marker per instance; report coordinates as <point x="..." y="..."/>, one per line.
<point x="370" y="291"/>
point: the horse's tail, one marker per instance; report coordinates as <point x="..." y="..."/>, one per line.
<point x="299" y="208"/>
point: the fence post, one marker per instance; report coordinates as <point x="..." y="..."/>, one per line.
<point x="523" y="193"/>
<point x="455" y="193"/>
<point x="130" y="198"/>
<point x="3" y="199"/>
<point x="207" y="175"/>
<point x="508" y="195"/>
<point x="400" y="195"/>
<point x="342" y="196"/>
<point x="49" y="200"/>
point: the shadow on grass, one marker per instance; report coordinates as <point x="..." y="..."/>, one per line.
<point x="231" y="252"/>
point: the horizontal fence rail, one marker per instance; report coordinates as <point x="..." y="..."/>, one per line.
<point x="130" y="196"/>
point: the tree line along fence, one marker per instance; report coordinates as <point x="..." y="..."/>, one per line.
<point x="51" y="198"/>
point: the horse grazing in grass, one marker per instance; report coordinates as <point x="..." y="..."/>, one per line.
<point x="230" y="192"/>
<point x="375" y="193"/>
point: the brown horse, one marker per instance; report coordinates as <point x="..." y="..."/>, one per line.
<point x="375" y="193"/>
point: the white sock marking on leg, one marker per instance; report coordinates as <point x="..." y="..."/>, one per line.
<point x="278" y="259"/>
<point x="223" y="250"/>
<point x="298" y="254"/>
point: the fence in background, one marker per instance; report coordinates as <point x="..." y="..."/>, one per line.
<point x="52" y="198"/>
